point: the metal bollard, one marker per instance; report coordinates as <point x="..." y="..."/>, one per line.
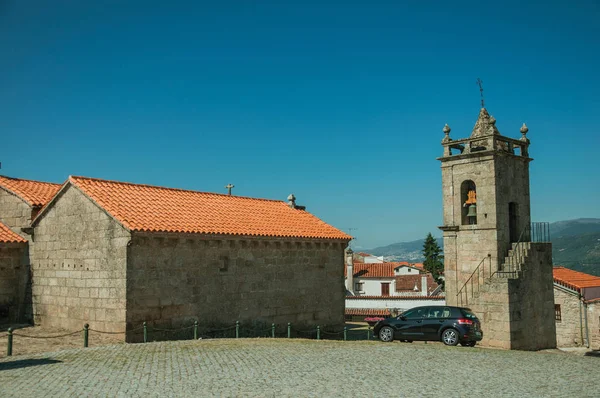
<point x="345" y="333"/>
<point x="86" y="334"/>
<point x="237" y="329"/>
<point x="369" y="333"/>
<point x="195" y="330"/>
<point x="10" y="338"/>
<point x="318" y="333"/>
<point x="289" y="330"/>
<point x="273" y="330"/>
<point x="145" y="332"/>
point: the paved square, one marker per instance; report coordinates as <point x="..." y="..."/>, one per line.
<point x="297" y="367"/>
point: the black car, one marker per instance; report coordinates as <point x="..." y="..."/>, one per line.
<point x="451" y="325"/>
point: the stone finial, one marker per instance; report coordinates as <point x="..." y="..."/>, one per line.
<point x="524" y="129"/>
<point x="291" y="200"/>
<point x="446" y="131"/>
<point x="492" y="120"/>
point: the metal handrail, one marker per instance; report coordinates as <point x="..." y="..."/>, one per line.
<point x="480" y="271"/>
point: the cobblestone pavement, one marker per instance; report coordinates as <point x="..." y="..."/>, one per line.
<point x="297" y="367"/>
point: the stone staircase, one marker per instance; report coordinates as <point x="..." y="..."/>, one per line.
<point x="484" y="276"/>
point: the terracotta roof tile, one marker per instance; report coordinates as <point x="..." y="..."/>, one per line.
<point x="367" y="312"/>
<point x="158" y="209"/>
<point x="8" y="236"/>
<point x="574" y="279"/>
<point x="376" y="270"/>
<point x="408" y="282"/>
<point x="36" y="193"/>
<point x="415" y="297"/>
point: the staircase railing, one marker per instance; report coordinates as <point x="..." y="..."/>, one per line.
<point x="475" y="281"/>
<point x="534" y="232"/>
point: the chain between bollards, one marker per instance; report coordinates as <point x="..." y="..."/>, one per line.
<point x="273" y="330"/>
<point x="289" y="330"/>
<point x="86" y="334"/>
<point x="318" y="333"/>
<point x="10" y="342"/>
<point x="195" y="330"/>
<point x="145" y="332"/>
<point x="345" y="333"/>
<point x="237" y="329"/>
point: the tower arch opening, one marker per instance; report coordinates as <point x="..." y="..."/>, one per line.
<point x="468" y="194"/>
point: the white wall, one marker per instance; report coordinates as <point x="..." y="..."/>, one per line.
<point x="372" y="287"/>
<point x="406" y="270"/>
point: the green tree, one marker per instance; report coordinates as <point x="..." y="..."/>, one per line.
<point x="434" y="259"/>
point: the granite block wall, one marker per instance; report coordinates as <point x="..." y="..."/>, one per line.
<point x="173" y="280"/>
<point x="78" y="264"/>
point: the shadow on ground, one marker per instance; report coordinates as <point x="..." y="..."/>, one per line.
<point x="25" y="363"/>
<point x="595" y="353"/>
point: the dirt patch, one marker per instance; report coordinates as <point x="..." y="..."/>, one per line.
<point x="41" y="340"/>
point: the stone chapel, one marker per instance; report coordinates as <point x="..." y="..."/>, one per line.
<point x="115" y="254"/>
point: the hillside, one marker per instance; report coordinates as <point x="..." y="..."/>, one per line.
<point x="575" y="244"/>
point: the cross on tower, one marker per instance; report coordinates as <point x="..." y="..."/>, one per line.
<point x="480" y="84"/>
<point x="229" y="186"/>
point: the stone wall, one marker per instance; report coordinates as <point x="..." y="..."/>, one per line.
<point x="570" y="329"/>
<point x="13" y="278"/>
<point x="78" y="266"/>
<point x="15" y="213"/>
<point x="532" y="301"/>
<point x="173" y="280"/>
<point x="519" y="313"/>
<point x="593" y="320"/>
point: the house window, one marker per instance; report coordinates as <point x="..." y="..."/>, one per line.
<point x="385" y="289"/>
<point x="557" y="314"/>
<point x="358" y="287"/>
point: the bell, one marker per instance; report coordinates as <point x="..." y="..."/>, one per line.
<point x="472" y="211"/>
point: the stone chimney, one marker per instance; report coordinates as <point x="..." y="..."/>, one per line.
<point x="349" y="270"/>
<point x="292" y="203"/>
<point x="424" y="285"/>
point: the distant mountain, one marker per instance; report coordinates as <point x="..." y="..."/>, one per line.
<point x="575" y="245"/>
<point x="403" y="251"/>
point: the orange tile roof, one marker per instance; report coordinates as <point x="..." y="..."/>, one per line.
<point x="8" y="236"/>
<point x="158" y="209"/>
<point x="408" y="282"/>
<point x="36" y="193"/>
<point x="415" y="297"/>
<point x="376" y="270"/>
<point x="574" y="279"/>
<point x="367" y="312"/>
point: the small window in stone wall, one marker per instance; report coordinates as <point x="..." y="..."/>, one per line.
<point x="557" y="313"/>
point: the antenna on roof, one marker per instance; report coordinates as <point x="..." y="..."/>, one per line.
<point x="480" y="84"/>
<point x="229" y="186"/>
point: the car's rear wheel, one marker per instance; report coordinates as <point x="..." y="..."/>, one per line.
<point x="450" y="336"/>
<point x="386" y="334"/>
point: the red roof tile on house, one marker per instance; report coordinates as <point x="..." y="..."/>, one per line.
<point x="408" y="282"/>
<point x="8" y="236"/>
<point x="375" y="270"/>
<point x="36" y="193"/>
<point x="158" y="209"/>
<point x="367" y="312"/>
<point x="574" y="279"/>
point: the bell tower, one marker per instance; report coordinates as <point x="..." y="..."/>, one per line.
<point x="488" y="235"/>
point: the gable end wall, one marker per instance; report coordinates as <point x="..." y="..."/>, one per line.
<point x="78" y="266"/>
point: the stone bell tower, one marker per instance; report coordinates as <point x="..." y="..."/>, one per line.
<point x="495" y="260"/>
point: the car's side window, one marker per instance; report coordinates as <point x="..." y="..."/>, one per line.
<point x="446" y="313"/>
<point x="435" y="312"/>
<point x="416" y="313"/>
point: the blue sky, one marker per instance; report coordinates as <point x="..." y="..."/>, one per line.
<point x="341" y="103"/>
